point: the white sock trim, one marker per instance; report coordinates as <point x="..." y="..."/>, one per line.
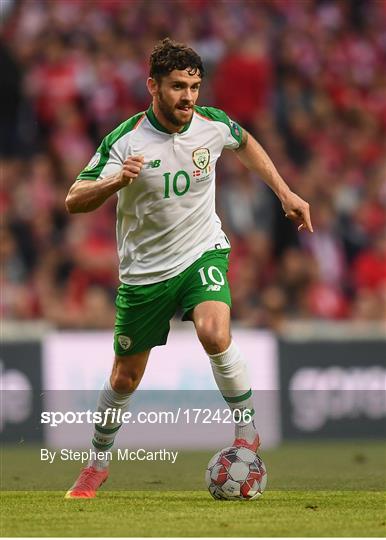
<point x="214" y="356"/>
<point x="114" y="397"/>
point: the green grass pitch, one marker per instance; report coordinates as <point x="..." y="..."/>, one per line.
<point x="314" y="489"/>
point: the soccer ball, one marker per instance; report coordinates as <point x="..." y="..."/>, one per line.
<point x="236" y="474"/>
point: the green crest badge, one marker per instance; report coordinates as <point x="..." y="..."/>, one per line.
<point x="201" y="157"/>
<point x="124" y="342"/>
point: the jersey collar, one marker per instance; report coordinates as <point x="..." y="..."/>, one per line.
<point x="154" y="122"/>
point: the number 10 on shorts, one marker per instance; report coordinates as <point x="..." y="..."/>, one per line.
<point x="213" y="275"/>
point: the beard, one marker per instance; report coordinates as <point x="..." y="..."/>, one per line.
<point x="168" y="111"/>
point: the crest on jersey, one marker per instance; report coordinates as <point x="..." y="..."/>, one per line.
<point x="235" y="128"/>
<point x="93" y="161"/>
<point x="201" y="157"/>
<point x="124" y="342"/>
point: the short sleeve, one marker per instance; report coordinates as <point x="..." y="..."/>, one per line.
<point x="235" y="135"/>
<point x="103" y="163"/>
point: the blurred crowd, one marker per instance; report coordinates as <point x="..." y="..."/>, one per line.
<point x="307" y="78"/>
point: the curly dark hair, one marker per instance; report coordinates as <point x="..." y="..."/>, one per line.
<point x="168" y="55"/>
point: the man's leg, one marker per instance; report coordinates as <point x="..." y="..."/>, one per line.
<point x="126" y="374"/>
<point x="212" y="322"/>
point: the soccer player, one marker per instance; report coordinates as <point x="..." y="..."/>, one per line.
<point x="172" y="251"/>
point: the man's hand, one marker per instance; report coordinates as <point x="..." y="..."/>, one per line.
<point x="254" y="157"/>
<point x="298" y="211"/>
<point x="87" y="195"/>
<point x="131" y="168"/>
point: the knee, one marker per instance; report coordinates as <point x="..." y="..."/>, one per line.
<point x="214" y="338"/>
<point x="124" y="379"/>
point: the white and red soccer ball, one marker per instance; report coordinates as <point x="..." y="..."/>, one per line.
<point x="236" y="474"/>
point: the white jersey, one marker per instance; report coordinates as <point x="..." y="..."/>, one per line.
<point x="166" y="218"/>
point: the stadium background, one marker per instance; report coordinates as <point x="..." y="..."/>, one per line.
<point x="308" y="80"/>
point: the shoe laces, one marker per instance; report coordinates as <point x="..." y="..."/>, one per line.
<point x="87" y="478"/>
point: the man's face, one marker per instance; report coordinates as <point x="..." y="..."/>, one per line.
<point x="176" y="95"/>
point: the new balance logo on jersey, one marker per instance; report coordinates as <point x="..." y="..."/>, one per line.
<point x="214" y="288"/>
<point x="153" y="164"/>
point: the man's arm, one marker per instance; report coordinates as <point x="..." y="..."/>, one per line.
<point x="87" y="195"/>
<point x="254" y="157"/>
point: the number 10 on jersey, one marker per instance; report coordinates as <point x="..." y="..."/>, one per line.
<point x="180" y="183"/>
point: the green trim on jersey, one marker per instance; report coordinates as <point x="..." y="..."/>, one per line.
<point x="93" y="171"/>
<point x="211" y="113"/>
<point x="155" y="123"/>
